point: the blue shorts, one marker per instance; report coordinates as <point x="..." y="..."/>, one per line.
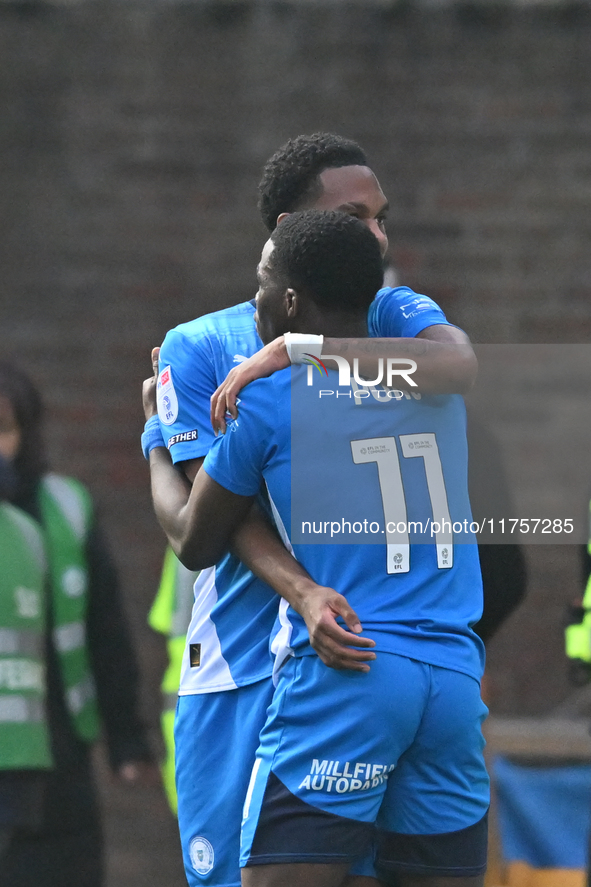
<point x="216" y="738"/>
<point x="392" y="758"/>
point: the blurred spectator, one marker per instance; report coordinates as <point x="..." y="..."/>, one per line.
<point x="578" y="624"/>
<point x="504" y="576"/>
<point x="24" y="739"/>
<point x="51" y="829"/>
<point x="578" y="638"/>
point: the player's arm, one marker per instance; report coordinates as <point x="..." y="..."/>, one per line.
<point x="191" y="508"/>
<point x="203" y="520"/>
<point x="445" y="364"/>
<point x="402" y="325"/>
<point x="318" y="605"/>
<point x="449" y="365"/>
<point x="444" y="357"/>
<point x="199" y="519"/>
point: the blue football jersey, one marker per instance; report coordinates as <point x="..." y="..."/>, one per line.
<point x="400" y="312"/>
<point x="233" y="613"/>
<point x="387" y="475"/>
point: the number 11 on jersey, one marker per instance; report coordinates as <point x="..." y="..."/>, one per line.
<point x="383" y="451"/>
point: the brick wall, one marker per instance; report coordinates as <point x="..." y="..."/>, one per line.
<point x="132" y="137"/>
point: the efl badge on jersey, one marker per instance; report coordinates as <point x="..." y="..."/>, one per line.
<point x="168" y="405"/>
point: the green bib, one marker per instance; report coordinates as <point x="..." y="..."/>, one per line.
<point x="66" y="510"/>
<point x="24" y="738"/>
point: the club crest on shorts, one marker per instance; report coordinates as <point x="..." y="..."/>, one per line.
<point x="166" y="399"/>
<point x="201" y="854"/>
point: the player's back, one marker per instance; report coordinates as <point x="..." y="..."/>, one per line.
<point x="366" y="489"/>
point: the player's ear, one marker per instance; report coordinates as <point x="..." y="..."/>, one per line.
<point x="291" y="302"/>
<point x="281" y="216"/>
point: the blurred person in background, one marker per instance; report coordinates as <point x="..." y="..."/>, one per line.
<point x="578" y="622"/>
<point x="504" y="572"/>
<point x="24" y="738"/>
<point x="49" y="813"/>
<point x="577" y="636"/>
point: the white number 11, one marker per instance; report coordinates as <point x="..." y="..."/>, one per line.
<point x="383" y="451"/>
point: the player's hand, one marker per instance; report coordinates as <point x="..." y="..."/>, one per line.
<point x="265" y="362"/>
<point x="149" y="388"/>
<point x="334" y="644"/>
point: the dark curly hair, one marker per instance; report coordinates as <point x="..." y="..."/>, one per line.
<point x="331" y="256"/>
<point x="290" y="177"/>
<point x="31" y="461"/>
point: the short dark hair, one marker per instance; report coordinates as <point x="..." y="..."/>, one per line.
<point x="31" y="460"/>
<point x="333" y="257"/>
<point x="290" y="177"/>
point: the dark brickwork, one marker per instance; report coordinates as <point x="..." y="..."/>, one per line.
<point x="132" y="137"/>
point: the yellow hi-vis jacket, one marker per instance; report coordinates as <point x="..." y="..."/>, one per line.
<point x="170" y="615"/>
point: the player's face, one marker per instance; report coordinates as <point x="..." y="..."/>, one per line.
<point x="10" y="433"/>
<point x="270" y="316"/>
<point x="356" y="191"/>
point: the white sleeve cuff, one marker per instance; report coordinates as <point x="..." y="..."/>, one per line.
<point x="301" y="345"/>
